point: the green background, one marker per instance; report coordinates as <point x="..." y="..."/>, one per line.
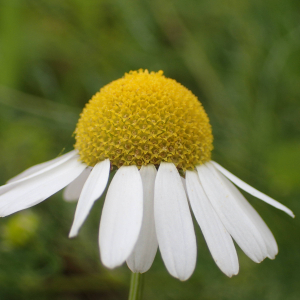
<point x="241" y="58"/>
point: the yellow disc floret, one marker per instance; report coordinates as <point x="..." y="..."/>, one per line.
<point x="144" y="118"/>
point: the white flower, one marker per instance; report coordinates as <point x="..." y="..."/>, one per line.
<point x="149" y="207"/>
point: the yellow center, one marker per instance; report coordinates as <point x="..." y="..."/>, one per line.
<point x="144" y="118"/>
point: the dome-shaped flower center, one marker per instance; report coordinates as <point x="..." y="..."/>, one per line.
<point x="144" y="118"/>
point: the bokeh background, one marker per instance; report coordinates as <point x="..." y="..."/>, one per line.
<point x="241" y="58"/>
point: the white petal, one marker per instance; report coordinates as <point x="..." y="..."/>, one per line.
<point x="173" y="222"/>
<point x="37" y="170"/>
<point x="31" y="170"/>
<point x="233" y="217"/>
<point x="217" y="238"/>
<point x="145" y="249"/>
<point x="92" y="190"/>
<point x="255" y="217"/>
<point x="252" y="191"/>
<point x="72" y="191"/>
<point x="38" y="188"/>
<point x="122" y="216"/>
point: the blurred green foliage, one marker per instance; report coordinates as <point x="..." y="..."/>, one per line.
<point x="241" y="58"/>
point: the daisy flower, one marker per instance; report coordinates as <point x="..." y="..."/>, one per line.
<point x="157" y="135"/>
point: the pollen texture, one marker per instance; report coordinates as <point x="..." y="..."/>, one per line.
<point x="144" y="118"/>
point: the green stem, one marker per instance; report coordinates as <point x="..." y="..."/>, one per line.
<point x="136" y="286"/>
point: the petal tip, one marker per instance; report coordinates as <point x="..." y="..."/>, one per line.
<point x="109" y="263"/>
<point x="230" y="275"/>
<point x="73" y="233"/>
<point x="291" y="214"/>
<point x="184" y="277"/>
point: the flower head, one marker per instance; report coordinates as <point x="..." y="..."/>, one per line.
<point x="157" y="134"/>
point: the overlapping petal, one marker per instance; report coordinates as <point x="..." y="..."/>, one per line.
<point x="173" y="222"/>
<point x="37" y="170"/>
<point x="145" y="248"/>
<point x="92" y="190"/>
<point x="122" y="216"/>
<point x="32" y="190"/>
<point x="251" y="190"/>
<point x="236" y="221"/>
<point x="264" y="230"/>
<point x="217" y="238"/>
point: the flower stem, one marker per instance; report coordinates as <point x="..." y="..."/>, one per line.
<point x="136" y="286"/>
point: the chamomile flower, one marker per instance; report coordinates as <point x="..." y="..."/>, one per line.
<point x="157" y="135"/>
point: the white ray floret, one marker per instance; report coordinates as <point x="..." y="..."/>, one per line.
<point x="92" y="190"/>
<point x="35" y="189"/>
<point x="173" y="222"/>
<point x="72" y="191"/>
<point x="232" y="215"/>
<point x="217" y="238"/>
<point x="264" y="230"/>
<point x="121" y="218"/>
<point x="251" y="190"/>
<point x="145" y="249"/>
<point x="37" y="170"/>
